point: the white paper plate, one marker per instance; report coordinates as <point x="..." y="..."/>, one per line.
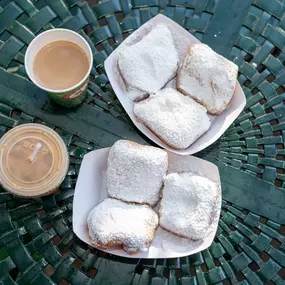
<point x="91" y="190"/>
<point x="182" y="39"/>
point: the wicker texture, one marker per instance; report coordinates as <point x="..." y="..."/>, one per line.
<point x="37" y="245"/>
<point x="255" y="142"/>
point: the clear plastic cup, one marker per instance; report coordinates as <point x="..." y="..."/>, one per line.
<point x="33" y="160"/>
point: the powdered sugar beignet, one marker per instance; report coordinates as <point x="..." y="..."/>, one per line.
<point x="115" y="223"/>
<point x="188" y="204"/>
<point x="149" y="64"/>
<point x="208" y="78"/>
<point x="135" y="172"/>
<point x="176" y="119"/>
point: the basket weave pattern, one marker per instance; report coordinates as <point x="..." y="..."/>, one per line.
<point x="37" y="244"/>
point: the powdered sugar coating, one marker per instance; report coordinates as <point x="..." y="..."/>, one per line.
<point x="136" y="95"/>
<point x="177" y="119"/>
<point x="187" y="205"/>
<point x="149" y="64"/>
<point x="208" y="78"/>
<point x="135" y="172"/>
<point x="114" y="222"/>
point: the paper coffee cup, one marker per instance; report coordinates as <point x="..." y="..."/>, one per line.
<point x="74" y="95"/>
<point x="33" y="160"/>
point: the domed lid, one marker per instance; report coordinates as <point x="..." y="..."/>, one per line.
<point x="33" y="160"/>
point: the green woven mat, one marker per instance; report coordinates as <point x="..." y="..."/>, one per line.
<point x="37" y="245"/>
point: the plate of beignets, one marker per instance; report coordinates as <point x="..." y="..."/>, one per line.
<point x="140" y="201"/>
<point x="162" y="58"/>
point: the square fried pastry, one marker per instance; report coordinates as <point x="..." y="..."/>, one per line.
<point x="208" y="78"/>
<point x="176" y="119"/>
<point x="187" y="205"/>
<point x="114" y="223"/>
<point x="135" y="172"/>
<point x="150" y="63"/>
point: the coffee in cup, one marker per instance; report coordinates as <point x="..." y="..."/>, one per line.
<point x="33" y="160"/>
<point x="59" y="61"/>
<point x="60" y="65"/>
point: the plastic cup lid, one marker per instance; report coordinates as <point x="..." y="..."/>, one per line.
<point x="33" y="160"/>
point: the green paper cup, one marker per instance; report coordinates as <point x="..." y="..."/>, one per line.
<point x="74" y="95"/>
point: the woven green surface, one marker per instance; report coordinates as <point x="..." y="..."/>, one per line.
<point x="37" y="245"/>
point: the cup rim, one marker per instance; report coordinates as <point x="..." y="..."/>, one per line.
<point x="58" y="90"/>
